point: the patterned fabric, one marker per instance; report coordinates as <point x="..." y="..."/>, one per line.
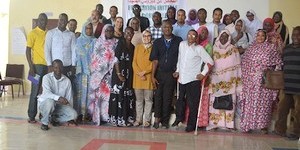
<point x="155" y="32"/>
<point x="102" y="63"/>
<point x="256" y="101"/>
<point x="121" y="103"/>
<point x="84" y="48"/>
<point x="225" y="80"/>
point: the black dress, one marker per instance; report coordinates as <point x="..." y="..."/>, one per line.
<point x="122" y="97"/>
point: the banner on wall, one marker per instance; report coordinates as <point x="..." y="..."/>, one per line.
<point x="150" y="6"/>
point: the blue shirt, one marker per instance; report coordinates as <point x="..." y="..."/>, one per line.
<point x="181" y="30"/>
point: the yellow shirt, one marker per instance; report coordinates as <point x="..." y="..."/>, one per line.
<point x="36" y="41"/>
<point x="142" y="63"/>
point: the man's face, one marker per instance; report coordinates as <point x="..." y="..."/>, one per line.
<point x="192" y="37"/>
<point x="167" y="29"/>
<point x="113" y="12"/>
<point x="72" y="25"/>
<point x="296" y="37"/>
<point x="136" y="10"/>
<point x="235" y="15"/>
<point x="171" y="13"/>
<point x="181" y="17"/>
<point x="42" y="21"/>
<point x="202" y="16"/>
<point x="100" y="9"/>
<point x="62" y="21"/>
<point x="128" y="34"/>
<point x="57" y="69"/>
<point x="217" y="16"/>
<point x="156" y="18"/>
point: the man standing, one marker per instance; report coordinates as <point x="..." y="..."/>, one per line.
<point x="180" y="28"/>
<point x="291" y="60"/>
<point x="216" y="26"/>
<point x="72" y="26"/>
<point x="164" y="58"/>
<point x="97" y="25"/>
<point x="99" y="7"/>
<point x="56" y="100"/>
<point x="190" y="59"/>
<point x="60" y="44"/>
<point x="144" y="22"/>
<point x="113" y="11"/>
<point x="155" y="30"/>
<point x="36" y="60"/>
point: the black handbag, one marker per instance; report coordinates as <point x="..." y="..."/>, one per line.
<point x="223" y="102"/>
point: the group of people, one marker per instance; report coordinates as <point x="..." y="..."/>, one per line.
<point x="117" y="75"/>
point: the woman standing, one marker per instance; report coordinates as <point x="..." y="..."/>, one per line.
<point x="256" y="100"/>
<point x="84" y="47"/>
<point x="118" y="28"/>
<point x="225" y="81"/>
<point x="102" y="63"/>
<point x="138" y="36"/>
<point x="273" y="36"/>
<point x="142" y="81"/>
<point x="121" y="102"/>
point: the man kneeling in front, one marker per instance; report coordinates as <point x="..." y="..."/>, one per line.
<point x="56" y="100"/>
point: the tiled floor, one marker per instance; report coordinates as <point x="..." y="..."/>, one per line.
<point x="17" y="134"/>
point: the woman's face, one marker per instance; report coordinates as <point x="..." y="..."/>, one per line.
<point x="224" y="38"/>
<point x="135" y="24"/>
<point x="192" y="15"/>
<point x="89" y="29"/>
<point x="268" y="26"/>
<point x="119" y="23"/>
<point x="170" y="13"/>
<point x="109" y="32"/>
<point x="238" y="26"/>
<point x="147" y="37"/>
<point x="228" y="20"/>
<point x="260" y="37"/>
<point x="203" y="35"/>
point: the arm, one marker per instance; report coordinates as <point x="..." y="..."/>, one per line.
<point x="73" y="45"/>
<point x="69" y="93"/>
<point x="47" y="92"/>
<point x="135" y="66"/>
<point x="48" y="48"/>
<point x="206" y="59"/>
<point x="29" y="60"/>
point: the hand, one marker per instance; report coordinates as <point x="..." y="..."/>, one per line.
<point x="175" y="74"/>
<point x="32" y="71"/>
<point x="154" y="82"/>
<point x="121" y="78"/>
<point x="50" y="69"/>
<point x="142" y="73"/>
<point x="63" y="101"/>
<point x="143" y="78"/>
<point x="200" y="77"/>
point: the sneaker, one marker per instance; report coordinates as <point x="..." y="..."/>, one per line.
<point x="44" y="127"/>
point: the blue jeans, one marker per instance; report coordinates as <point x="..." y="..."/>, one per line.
<point x="32" y="106"/>
<point x="58" y="112"/>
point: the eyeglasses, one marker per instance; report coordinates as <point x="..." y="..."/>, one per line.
<point x="135" y="8"/>
<point x="191" y="35"/>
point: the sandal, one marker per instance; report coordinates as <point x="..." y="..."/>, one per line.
<point x="31" y="120"/>
<point x="136" y="124"/>
<point x="147" y="124"/>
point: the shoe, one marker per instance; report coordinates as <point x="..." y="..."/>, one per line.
<point x="189" y="129"/>
<point x="176" y="122"/>
<point x="136" y="124"/>
<point x="165" y="126"/>
<point x="72" y="122"/>
<point x="147" y="124"/>
<point x="156" y="125"/>
<point x="279" y="133"/>
<point x="292" y="137"/>
<point x="44" y="127"/>
<point x="31" y="120"/>
<point x="55" y="123"/>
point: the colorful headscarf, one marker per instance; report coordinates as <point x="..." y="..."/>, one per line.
<point x="205" y="41"/>
<point x="192" y="22"/>
<point x="271" y="21"/>
<point x="218" y="45"/>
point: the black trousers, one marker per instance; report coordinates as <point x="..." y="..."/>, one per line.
<point x="189" y="93"/>
<point x="163" y="96"/>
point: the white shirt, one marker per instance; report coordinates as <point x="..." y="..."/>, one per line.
<point x="60" y="45"/>
<point x="53" y="88"/>
<point x="190" y="60"/>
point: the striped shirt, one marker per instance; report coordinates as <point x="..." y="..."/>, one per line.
<point x="291" y="69"/>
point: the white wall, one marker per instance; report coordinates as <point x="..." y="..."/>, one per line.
<point x="4" y="11"/>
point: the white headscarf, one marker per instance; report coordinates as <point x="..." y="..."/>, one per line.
<point x="254" y="25"/>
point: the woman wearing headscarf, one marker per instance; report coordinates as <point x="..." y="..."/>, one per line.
<point x="240" y="38"/>
<point x="252" y="23"/>
<point x="256" y="101"/>
<point x="138" y="36"/>
<point x="192" y="17"/>
<point x="227" y="20"/>
<point x="102" y="63"/>
<point x="281" y="28"/>
<point x="122" y="97"/>
<point x="204" y="111"/>
<point x="273" y="36"/>
<point x="225" y="81"/>
<point x="84" y="47"/>
<point x="142" y="81"/>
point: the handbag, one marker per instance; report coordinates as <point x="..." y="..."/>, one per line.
<point x="223" y="102"/>
<point x="273" y="79"/>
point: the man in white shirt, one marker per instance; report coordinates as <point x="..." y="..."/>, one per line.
<point x="56" y="100"/>
<point x="60" y="44"/>
<point x="190" y="59"/>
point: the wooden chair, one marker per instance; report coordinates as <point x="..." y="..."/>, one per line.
<point x="14" y="75"/>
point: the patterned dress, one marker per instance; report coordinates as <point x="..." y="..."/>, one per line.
<point x="122" y="97"/>
<point x="225" y="80"/>
<point x="256" y="101"/>
<point x="102" y="64"/>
